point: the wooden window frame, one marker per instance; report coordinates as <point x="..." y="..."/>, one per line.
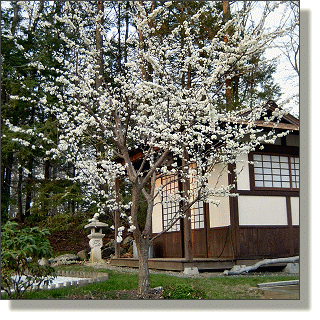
<point x="264" y="188"/>
<point x="197" y="216"/>
<point x="197" y="212"/>
<point x="168" y="211"/>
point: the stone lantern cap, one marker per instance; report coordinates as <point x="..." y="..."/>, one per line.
<point x="96" y="224"/>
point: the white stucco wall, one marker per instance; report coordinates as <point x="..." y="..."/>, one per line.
<point x="219" y="216"/>
<point x="295" y="210"/>
<point x="266" y="210"/>
<point x="157" y="213"/>
<point x="243" y="181"/>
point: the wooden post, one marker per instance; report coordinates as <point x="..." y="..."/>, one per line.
<point x="188" y="250"/>
<point x="117" y="220"/>
<point x="289" y="217"/>
<point x="234" y="214"/>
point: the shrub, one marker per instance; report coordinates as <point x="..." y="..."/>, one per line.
<point x="66" y="221"/>
<point x="20" y="251"/>
<point x="182" y="291"/>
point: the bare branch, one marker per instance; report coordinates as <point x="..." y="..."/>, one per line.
<point x="155" y="166"/>
<point x="145" y="159"/>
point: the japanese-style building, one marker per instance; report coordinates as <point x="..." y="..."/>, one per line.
<point x="261" y="222"/>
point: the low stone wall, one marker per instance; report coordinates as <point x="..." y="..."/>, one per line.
<point x="80" y="278"/>
<point x="82" y="274"/>
<point x="87" y="278"/>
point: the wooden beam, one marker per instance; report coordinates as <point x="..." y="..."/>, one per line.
<point x="262" y="123"/>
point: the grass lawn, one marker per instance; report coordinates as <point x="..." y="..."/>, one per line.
<point x="123" y="285"/>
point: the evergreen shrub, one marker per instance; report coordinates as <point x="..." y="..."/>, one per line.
<point x="21" y="249"/>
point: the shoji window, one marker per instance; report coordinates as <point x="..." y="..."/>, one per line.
<point x="276" y="171"/>
<point x="170" y="208"/>
<point x="295" y="172"/>
<point x="197" y="215"/>
<point x="197" y="210"/>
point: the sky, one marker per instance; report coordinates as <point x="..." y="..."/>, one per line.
<point x="285" y="75"/>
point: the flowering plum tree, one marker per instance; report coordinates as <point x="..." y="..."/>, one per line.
<point x="157" y="114"/>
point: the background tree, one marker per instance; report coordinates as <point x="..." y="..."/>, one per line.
<point x="289" y="51"/>
<point x="28" y="175"/>
<point x="290" y="46"/>
<point x="254" y="83"/>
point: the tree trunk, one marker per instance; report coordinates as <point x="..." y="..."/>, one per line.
<point x="45" y="201"/>
<point x="19" y="195"/>
<point x="99" y="46"/>
<point x="15" y="18"/>
<point x="127" y="31"/>
<point x="119" y="38"/>
<point x="142" y="243"/>
<point x="144" y="276"/>
<point x="226" y="17"/>
<point x="6" y="168"/>
<point x="29" y="188"/>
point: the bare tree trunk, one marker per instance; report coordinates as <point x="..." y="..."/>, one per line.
<point x="6" y="176"/>
<point x="141" y="45"/>
<point x="142" y="243"/>
<point x="45" y="207"/>
<point x="144" y="276"/>
<point x="119" y="38"/>
<point x="29" y="188"/>
<point x="145" y="66"/>
<point x="127" y="32"/>
<point x="15" y="18"/>
<point x="226" y="17"/>
<point x="99" y="45"/>
<point x="19" y="195"/>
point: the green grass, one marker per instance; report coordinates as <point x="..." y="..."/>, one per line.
<point x="232" y="287"/>
<point x="244" y="287"/>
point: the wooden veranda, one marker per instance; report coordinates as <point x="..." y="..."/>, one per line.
<point x="179" y="264"/>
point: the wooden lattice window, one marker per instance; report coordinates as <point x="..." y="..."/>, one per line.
<point x="295" y="172"/>
<point x="197" y="215"/>
<point x="276" y="171"/>
<point x="170" y="208"/>
<point x="197" y="210"/>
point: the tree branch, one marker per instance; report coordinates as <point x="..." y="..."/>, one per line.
<point x="145" y="159"/>
<point x="155" y="166"/>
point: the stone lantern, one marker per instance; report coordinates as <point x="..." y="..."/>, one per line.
<point x="95" y="237"/>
